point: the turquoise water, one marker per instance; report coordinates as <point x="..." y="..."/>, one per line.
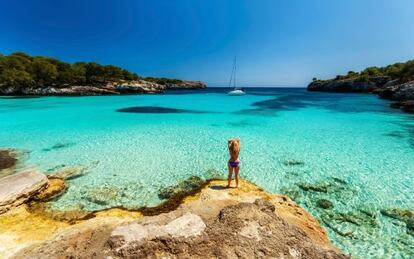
<point x="354" y="144"/>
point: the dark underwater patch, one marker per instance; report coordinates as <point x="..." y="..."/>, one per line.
<point x="395" y="134"/>
<point x="287" y="102"/>
<point x="7" y="159"/>
<point x="155" y="110"/>
<point x="58" y="146"/>
<point x="255" y="112"/>
<point x="291" y="100"/>
<point x="293" y="162"/>
<point x="241" y="124"/>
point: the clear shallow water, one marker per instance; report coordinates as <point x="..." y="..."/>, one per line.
<point x="354" y="144"/>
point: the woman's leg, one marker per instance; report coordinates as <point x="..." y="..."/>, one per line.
<point x="230" y="175"/>
<point x="237" y="176"/>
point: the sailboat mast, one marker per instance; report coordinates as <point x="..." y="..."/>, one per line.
<point x="235" y="68"/>
<point x="233" y="74"/>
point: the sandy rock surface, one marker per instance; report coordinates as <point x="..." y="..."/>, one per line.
<point x="213" y="222"/>
<point x="17" y="188"/>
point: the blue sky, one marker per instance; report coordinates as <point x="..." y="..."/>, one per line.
<point x="277" y="42"/>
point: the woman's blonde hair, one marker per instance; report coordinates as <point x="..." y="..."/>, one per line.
<point x="234" y="145"/>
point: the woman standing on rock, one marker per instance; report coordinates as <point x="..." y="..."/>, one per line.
<point x="233" y="164"/>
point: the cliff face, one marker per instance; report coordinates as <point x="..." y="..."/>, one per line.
<point x="187" y="85"/>
<point x="123" y="87"/>
<point x="348" y="85"/>
<point x="212" y="221"/>
<point x="401" y="93"/>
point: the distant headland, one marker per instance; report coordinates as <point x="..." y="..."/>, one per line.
<point x="22" y="74"/>
<point x="394" y="82"/>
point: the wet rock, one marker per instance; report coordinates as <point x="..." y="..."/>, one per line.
<point x="293" y="193"/>
<point x="400" y="214"/>
<point x="103" y="195"/>
<point x="335" y="187"/>
<point x="188" y="185"/>
<point x="404" y="215"/>
<point x="324" y="204"/>
<point x="70" y="172"/>
<point x="410" y="227"/>
<point x="340" y="181"/>
<point x="11" y="160"/>
<point x="316" y="187"/>
<point x="18" y="188"/>
<point x="354" y="217"/>
<point x="350" y="224"/>
<point x="7" y="158"/>
<point x="55" y="188"/>
<point x="293" y="162"/>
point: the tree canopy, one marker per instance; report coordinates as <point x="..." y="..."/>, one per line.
<point x="402" y="71"/>
<point x="22" y="70"/>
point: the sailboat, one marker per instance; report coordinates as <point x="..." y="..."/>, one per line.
<point x="236" y="91"/>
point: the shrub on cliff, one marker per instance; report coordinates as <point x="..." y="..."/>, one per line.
<point x="402" y="71"/>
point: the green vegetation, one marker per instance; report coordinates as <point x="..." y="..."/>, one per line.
<point x="402" y="71"/>
<point x="22" y="70"/>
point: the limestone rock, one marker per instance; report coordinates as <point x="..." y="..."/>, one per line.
<point x="186" y="226"/>
<point x="55" y="188"/>
<point x="244" y="230"/>
<point x="187" y="85"/>
<point x="18" y="188"/>
<point x="213" y="222"/>
<point x="105" y="88"/>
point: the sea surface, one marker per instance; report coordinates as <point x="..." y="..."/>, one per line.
<point x="349" y="149"/>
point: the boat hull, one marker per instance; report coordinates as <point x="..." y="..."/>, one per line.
<point x="236" y="93"/>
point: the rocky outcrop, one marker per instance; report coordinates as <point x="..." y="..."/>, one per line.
<point x="214" y="222"/>
<point x="188" y="225"/>
<point x="18" y="188"/>
<point x="342" y="86"/>
<point x="404" y="215"/>
<point x="186" y="85"/>
<point x="111" y="88"/>
<point x="140" y="86"/>
<point x="402" y="94"/>
<point x="11" y="161"/>
<point x="55" y="187"/>
<point x="8" y="161"/>
<point x="244" y="230"/>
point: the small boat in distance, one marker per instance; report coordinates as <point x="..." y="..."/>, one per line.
<point x="236" y="91"/>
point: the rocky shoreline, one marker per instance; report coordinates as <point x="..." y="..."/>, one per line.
<point x="402" y="94"/>
<point x="110" y="88"/>
<point x="207" y="220"/>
